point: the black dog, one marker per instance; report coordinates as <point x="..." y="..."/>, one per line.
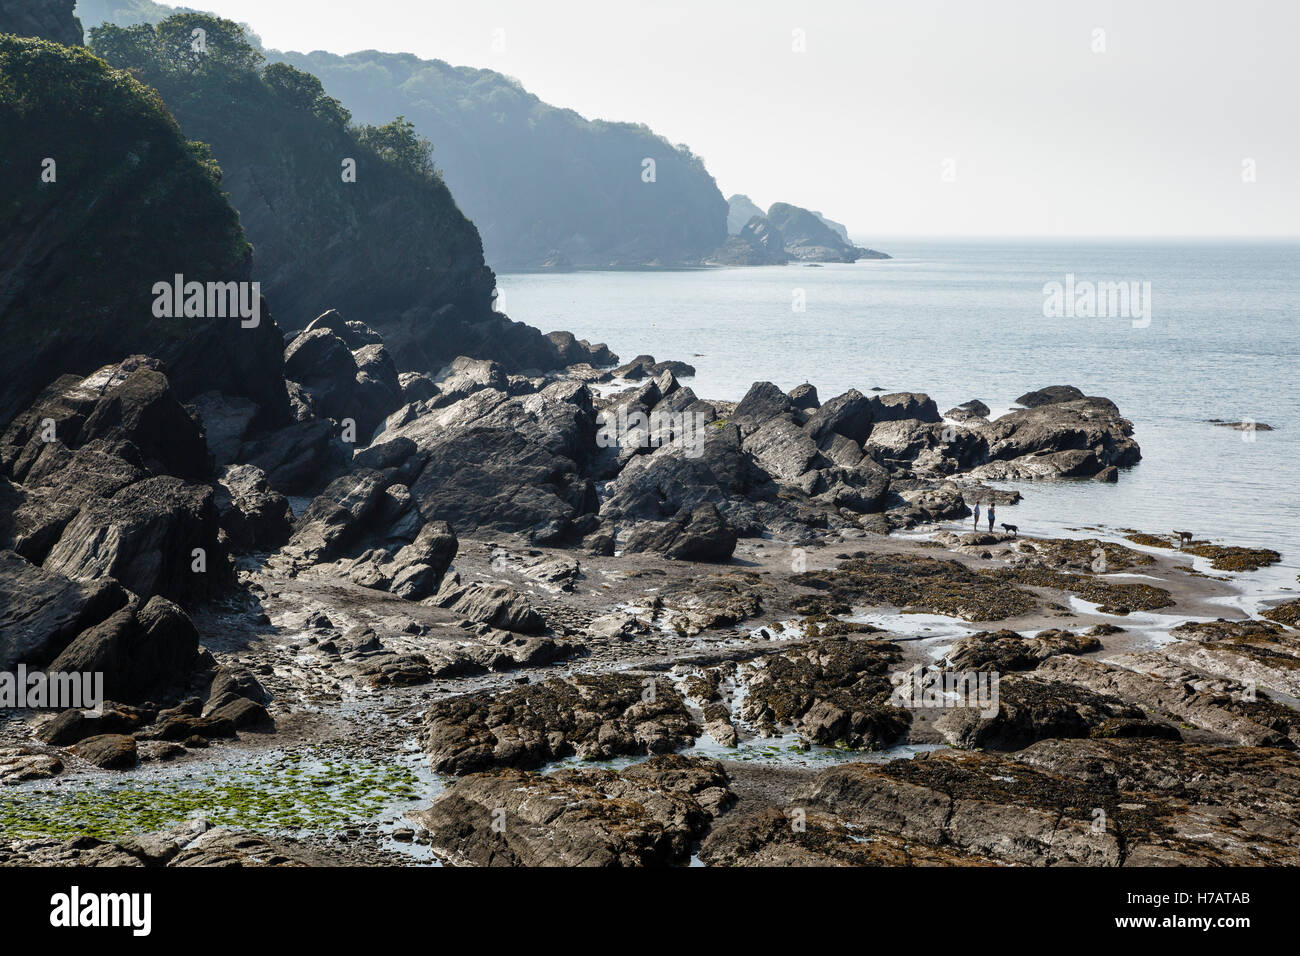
<point x="1012" y="528"/>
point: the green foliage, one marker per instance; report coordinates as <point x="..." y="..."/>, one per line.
<point x="303" y="91"/>
<point x="536" y="178"/>
<point x="389" y="240"/>
<point x="132" y="202"/>
<point x="397" y="141"/>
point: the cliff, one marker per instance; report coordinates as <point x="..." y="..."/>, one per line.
<point x="46" y="19"/>
<point x="544" y="185"/>
<point x="102" y="197"/>
<point x="388" y="246"/>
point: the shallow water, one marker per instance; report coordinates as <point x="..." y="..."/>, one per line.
<point x="298" y="792"/>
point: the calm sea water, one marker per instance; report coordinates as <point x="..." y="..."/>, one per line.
<point x="964" y="320"/>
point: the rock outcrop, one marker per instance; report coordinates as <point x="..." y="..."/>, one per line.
<point x="647" y="815"/>
<point x="589" y="716"/>
<point x="48" y="19"/>
<point x="782" y="234"/>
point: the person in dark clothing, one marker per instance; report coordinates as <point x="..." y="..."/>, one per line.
<point x="991" y="515"/>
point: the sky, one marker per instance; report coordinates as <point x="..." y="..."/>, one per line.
<point x="908" y="117"/>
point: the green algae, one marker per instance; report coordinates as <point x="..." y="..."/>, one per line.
<point x="287" y="792"/>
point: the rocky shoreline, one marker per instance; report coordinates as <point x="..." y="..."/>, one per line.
<point x="614" y="624"/>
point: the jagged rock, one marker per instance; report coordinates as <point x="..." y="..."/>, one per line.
<point x="836" y="690"/>
<point x="649" y="814"/>
<point x="377" y="391"/>
<point x="129" y="401"/>
<point x="594" y="716"/>
<point x="254" y="516"/>
<point x="703" y="535"/>
<point x="238" y="681"/>
<point x="299" y="458"/>
<point x="43" y="611"/>
<point x="785" y="451"/>
<point x="1066" y="438"/>
<point x="323" y="364"/>
<point x="146" y="536"/>
<point x="508" y="463"/>
<point x="849" y="415"/>
<point x="763" y="401"/>
<point x="667" y="482"/>
<point x="141" y="651"/>
<point x="418" y="568"/>
<point x="804" y="397"/>
<point x="108" y="751"/>
<point x="492" y="604"/>
<point x="1005" y="651"/>
<point x="465" y="376"/>
<point x="337" y="516"/>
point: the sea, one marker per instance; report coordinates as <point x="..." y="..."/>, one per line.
<point x="1219" y="338"/>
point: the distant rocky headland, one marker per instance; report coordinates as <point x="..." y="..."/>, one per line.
<point x="784" y="234"/>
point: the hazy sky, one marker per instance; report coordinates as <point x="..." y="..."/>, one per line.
<point x="1038" y="132"/>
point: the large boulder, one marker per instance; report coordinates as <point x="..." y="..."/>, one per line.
<point x="42" y="611"/>
<point x="1051" y="395"/>
<point x="141" y="651"/>
<point x="700" y="535"/>
<point x="494" y="461"/>
<point x="127" y="401"/>
<point x="1085" y="434"/>
<point x="253" y="515"/>
<point x="849" y="415"/>
<point x="763" y="401"/>
<point x="156" y="536"/>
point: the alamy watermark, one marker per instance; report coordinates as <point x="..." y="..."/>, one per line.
<point x="208" y="300"/>
<point x="683" y="430"/>
<point x="56" y="690"/>
<point x="1086" y="299"/>
<point x="932" y="687"/>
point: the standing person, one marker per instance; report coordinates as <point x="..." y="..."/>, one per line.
<point x="991" y="513"/>
<point x="977" y="516"/>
